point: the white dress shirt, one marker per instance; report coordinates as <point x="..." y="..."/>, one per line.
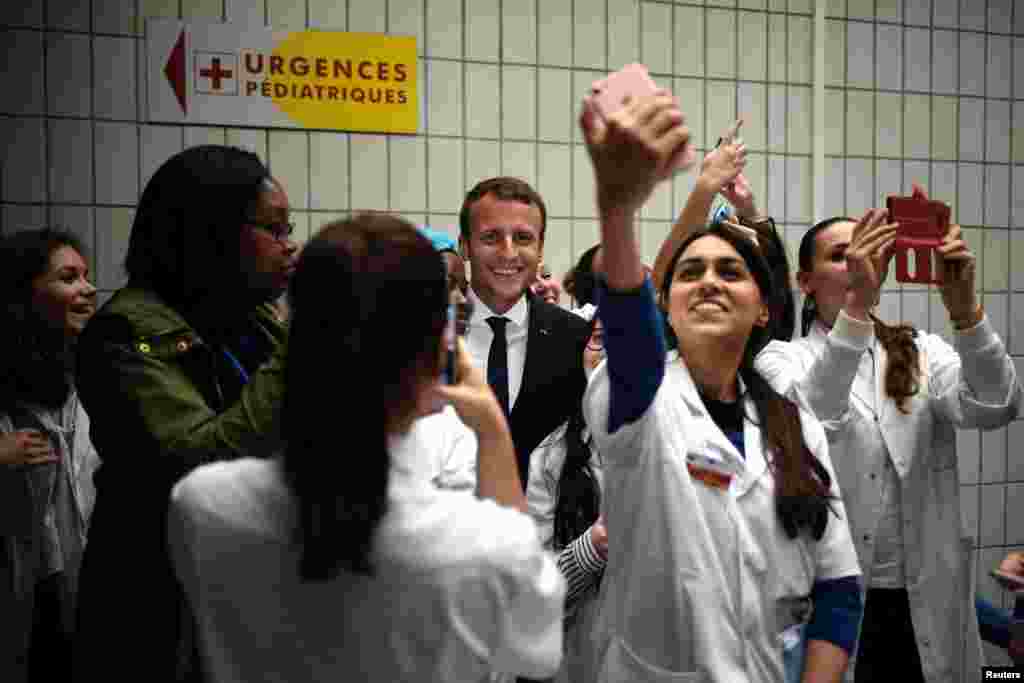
<point x="479" y="337"/>
<point x="462" y="587"/>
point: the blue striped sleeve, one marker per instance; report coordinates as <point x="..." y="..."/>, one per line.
<point x="634" y="338"/>
<point x="837" y="611"/>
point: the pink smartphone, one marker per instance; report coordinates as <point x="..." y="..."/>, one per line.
<point x="632" y="80"/>
<point x="1010" y="582"/>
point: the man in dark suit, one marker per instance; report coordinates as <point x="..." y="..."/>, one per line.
<point x="530" y="350"/>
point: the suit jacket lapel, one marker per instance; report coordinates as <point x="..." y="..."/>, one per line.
<point x="537" y="337"/>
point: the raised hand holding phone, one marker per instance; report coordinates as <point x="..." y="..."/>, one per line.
<point x="631" y="83"/>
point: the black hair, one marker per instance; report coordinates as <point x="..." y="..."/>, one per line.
<point x="184" y="243"/>
<point x="350" y="280"/>
<point x="581" y="281"/>
<point x="802" y="482"/>
<point x="578" y="496"/>
<point x="36" y="361"/>
<point x="782" y="303"/>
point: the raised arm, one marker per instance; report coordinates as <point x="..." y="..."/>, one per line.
<point x="826" y="385"/>
<point x="632" y="152"/>
<point x="721" y="171"/>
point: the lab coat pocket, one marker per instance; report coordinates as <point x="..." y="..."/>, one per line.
<point x="622" y="664"/>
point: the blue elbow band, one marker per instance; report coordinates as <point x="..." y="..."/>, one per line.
<point x="635" y="341"/>
<point x="837" y="612"/>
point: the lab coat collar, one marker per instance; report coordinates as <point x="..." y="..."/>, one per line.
<point x="748" y="467"/>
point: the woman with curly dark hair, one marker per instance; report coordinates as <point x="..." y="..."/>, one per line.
<point x="46" y="458"/>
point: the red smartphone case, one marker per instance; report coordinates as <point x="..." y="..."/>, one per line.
<point x="923" y="224"/>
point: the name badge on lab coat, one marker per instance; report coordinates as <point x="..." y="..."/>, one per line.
<point x="708" y="471"/>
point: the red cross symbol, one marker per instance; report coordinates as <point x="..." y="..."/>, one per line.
<point x="215" y="73"/>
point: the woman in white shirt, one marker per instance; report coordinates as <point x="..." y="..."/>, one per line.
<point x="564" y="498"/>
<point x="340" y="560"/>
<point x="891" y="399"/>
<point x="723" y="516"/>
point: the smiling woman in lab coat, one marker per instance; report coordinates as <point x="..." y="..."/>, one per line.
<point x="723" y="516"/>
<point x="890" y="399"/>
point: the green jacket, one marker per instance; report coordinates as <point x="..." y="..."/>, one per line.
<point x="161" y="401"/>
<point x="155" y="389"/>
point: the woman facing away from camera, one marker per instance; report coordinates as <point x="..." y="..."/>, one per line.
<point x="46" y="457"/>
<point x="891" y="399"/>
<point x="181" y="367"/>
<point x="725" y="524"/>
<point x="333" y="562"/>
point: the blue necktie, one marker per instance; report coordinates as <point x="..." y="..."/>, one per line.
<point x="497" y="362"/>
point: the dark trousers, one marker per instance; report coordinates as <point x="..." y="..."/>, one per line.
<point x="49" y="650"/>
<point x="888" y="648"/>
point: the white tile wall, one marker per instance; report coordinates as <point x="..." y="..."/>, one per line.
<point x="969" y="192"/>
<point x="23" y="173"/>
<point x="918" y="12"/>
<point x="945" y="61"/>
<point x="889" y="73"/>
<point x="554" y="39"/>
<point x="21" y="72"/>
<point x="721" y="52"/>
<point x="623" y="36"/>
<point x="445" y="28"/>
<point x="997" y="190"/>
<point x="117" y="163"/>
<point x="972" y="128"/>
<point x="444" y="97"/>
<point x="329" y="171"/>
<point x="288" y="160"/>
<point x="368" y="179"/>
<point x="972" y="64"/>
<point x="972" y="15"/>
<point x="444" y="167"/>
<point x="947" y="13"/>
<point x="689" y="40"/>
<point x="519" y="102"/>
<point x="656" y="42"/>
<point x="997" y="73"/>
<point x="997" y="131"/>
<point x="71" y="161"/>
<point x="918" y="72"/>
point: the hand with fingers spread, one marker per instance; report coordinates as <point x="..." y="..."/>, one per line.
<point x="634" y="149"/>
<point x="25" y="447"/>
<point x="957" y="288"/>
<point x="867" y="261"/>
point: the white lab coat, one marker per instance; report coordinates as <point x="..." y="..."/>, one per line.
<point x="461" y="588"/>
<point x="973" y="385"/>
<point x="694" y="572"/>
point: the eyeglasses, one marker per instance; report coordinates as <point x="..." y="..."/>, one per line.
<point x="280" y="231"/>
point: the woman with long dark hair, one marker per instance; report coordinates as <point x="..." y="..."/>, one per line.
<point x="46" y="457"/>
<point x="181" y="367"/>
<point x="891" y="399"/>
<point x="339" y="561"/>
<point x="564" y="498"/>
<point x="723" y="515"/>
